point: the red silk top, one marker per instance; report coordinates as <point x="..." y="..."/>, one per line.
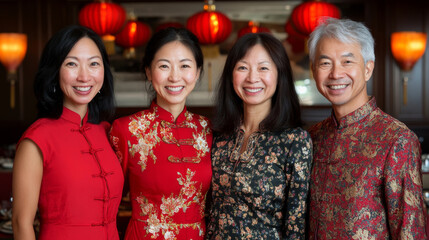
<point x="82" y="180"/>
<point x="169" y="170"/>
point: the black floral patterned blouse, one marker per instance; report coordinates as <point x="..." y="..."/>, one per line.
<point x="262" y="192"/>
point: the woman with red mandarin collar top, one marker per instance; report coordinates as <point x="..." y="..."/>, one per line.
<point x="64" y="165"/>
<point x="165" y="150"/>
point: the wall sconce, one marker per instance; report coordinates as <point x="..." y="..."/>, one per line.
<point x="407" y="49"/>
<point x="13" y="47"/>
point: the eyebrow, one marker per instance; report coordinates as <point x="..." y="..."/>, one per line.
<point x="262" y="62"/>
<point x="181" y="60"/>
<point x="348" y="55"/>
<point x="90" y="58"/>
<point x="344" y="55"/>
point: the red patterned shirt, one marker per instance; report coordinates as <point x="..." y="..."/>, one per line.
<point x="366" y="179"/>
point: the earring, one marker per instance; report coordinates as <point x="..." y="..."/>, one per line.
<point x="99" y="92"/>
<point x="55" y="89"/>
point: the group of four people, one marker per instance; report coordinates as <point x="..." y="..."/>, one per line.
<point x="252" y="172"/>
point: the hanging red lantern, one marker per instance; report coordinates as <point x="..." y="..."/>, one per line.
<point x="134" y="34"/>
<point x="294" y="38"/>
<point x="290" y="29"/>
<point x="252" y="27"/>
<point x="105" y="18"/>
<point x="307" y="16"/>
<point x="169" y="24"/>
<point x="210" y="26"/>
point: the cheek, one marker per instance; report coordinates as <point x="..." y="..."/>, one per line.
<point x="156" y="77"/>
<point x="191" y="76"/>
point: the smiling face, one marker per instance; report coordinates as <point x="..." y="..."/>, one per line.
<point x="255" y="78"/>
<point x="173" y="74"/>
<point x="341" y="75"/>
<point x="81" y="75"/>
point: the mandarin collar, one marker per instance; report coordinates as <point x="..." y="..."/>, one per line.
<point x="73" y="117"/>
<point x="165" y="115"/>
<point x="356" y="115"/>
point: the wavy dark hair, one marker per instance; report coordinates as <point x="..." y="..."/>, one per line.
<point x="171" y="34"/>
<point x="47" y="81"/>
<point x="285" y="108"/>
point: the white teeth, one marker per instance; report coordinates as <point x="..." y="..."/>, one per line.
<point x="335" y="87"/>
<point x="253" y="90"/>
<point x="174" y="89"/>
<point x="83" y="88"/>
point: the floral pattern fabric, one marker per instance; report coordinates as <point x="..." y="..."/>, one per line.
<point x="260" y="193"/>
<point x="169" y="170"/>
<point x="366" y="178"/>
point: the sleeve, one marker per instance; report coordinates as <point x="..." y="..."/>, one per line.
<point x="37" y="134"/>
<point x="298" y="176"/>
<point x="403" y="189"/>
<point x="118" y="140"/>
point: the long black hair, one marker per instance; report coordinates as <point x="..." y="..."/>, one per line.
<point x="285" y="108"/>
<point x="47" y="86"/>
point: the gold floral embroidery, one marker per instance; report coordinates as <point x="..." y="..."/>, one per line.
<point x="147" y="136"/>
<point x="149" y="133"/>
<point x="161" y="222"/>
<point x="115" y="140"/>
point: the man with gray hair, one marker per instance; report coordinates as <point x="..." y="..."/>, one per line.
<point x="366" y="178"/>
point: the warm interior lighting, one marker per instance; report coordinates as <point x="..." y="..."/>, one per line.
<point x="13" y="47"/>
<point x="407" y="49"/>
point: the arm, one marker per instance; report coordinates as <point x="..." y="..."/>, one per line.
<point x="27" y="178"/>
<point x="300" y="155"/>
<point x="403" y="189"/>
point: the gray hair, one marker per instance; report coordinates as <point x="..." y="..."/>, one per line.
<point x="346" y="31"/>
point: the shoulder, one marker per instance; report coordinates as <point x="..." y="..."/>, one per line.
<point x="202" y="120"/>
<point x="319" y="127"/>
<point x="42" y="125"/>
<point x="296" y="134"/>
<point x="125" y="120"/>
<point x="393" y="128"/>
<point x="42" y="131"/>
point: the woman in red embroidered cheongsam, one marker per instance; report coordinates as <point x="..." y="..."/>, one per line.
<point x="165" y="150"/>
<point x="64" y="164"/>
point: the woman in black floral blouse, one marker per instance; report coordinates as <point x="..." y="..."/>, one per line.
<point x="261" y="156"/>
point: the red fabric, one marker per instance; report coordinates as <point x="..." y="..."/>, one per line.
<point x="169" y="170"/>
<point x="82" y="179"/>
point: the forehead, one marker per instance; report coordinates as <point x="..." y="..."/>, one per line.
<point x="175" y="48"/>
<point x="334" y="47"/>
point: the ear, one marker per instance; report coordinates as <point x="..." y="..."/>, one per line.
<point x="148" y="74"/>
<point x="369" y="67"/>
<point x="198" y="73"/>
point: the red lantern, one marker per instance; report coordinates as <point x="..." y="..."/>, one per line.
<point x="252" y="28"/>
<point x="294" y="38"/>
<point x="104" y="18"/>
<point x="134" y="34"/>
<point x="210" y="26"/>
<point x="168" y="24"/>
<point x="307" y="16"/>
<point x="290" y="29"/>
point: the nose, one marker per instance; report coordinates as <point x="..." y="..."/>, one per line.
<point x="337" y="72"/>
<point x="253" y="75"/>
<point x="83" y="74"/>
<point x="174" y="75"/>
